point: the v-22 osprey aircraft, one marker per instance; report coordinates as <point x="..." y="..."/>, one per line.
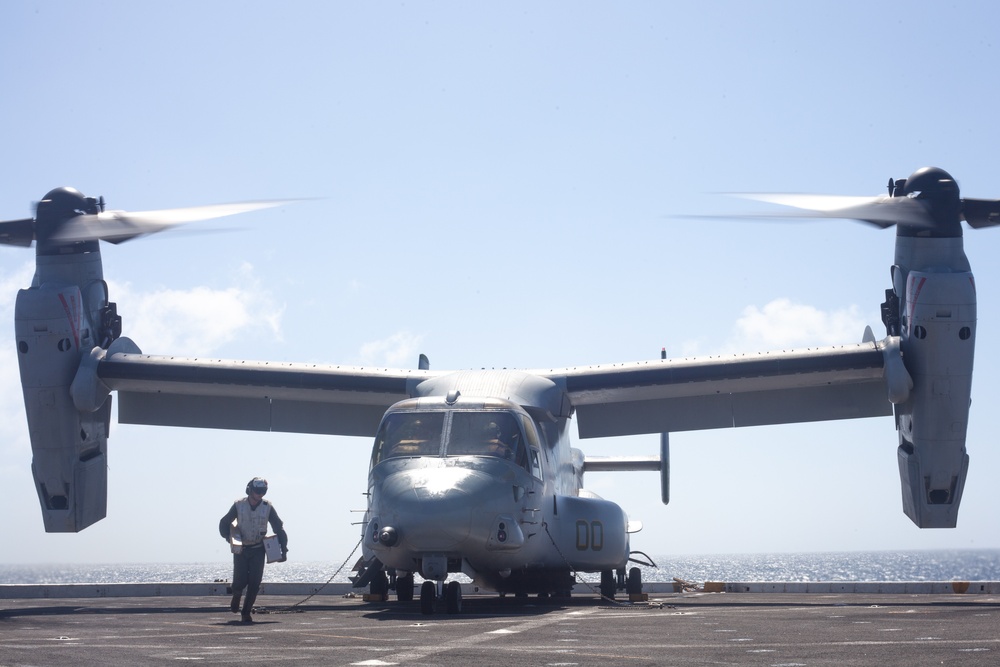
<point x="473" y="471"/>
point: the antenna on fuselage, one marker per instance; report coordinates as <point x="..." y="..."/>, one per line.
<point x="664" y="456"/>
<point x="423" y="363"/>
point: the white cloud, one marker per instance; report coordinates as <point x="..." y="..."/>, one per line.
<point x="197" y="321"/>
<point x="400" y="350"/>
<point x="781" y="324"/>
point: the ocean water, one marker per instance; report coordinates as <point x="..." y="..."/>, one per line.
<point x="961" y="565"/>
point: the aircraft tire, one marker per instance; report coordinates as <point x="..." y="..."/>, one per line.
<point x="453" y="597"/>
<point x="428" y="591"/>
<point x="379" y="584"/>
<point x="404" y="588"/>
<point x="634" y="584"/>
<point x="608" y="584"/>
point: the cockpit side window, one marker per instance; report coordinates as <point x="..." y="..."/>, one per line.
<point x="487" y="434"/>
<point x="533" y="441"/>
<point x="408" y="434"/>
<point x="536" y="463"/>
<point x="530" y="434"/>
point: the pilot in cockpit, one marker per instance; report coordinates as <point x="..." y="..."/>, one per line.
<point x="416" y="441"/>
<point x="495" y="442"/>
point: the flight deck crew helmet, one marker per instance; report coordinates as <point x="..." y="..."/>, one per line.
<point x="257" y="485"/>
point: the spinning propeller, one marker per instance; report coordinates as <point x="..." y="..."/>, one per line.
<point x="925" y="204"/>
<point x="65" y="217"/>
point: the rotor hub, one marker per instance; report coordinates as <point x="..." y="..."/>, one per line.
<point x="54" y="210"/>
<point x="938" y="191"/>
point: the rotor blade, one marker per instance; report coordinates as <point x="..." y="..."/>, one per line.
<point x="981" y="213"/>
<point x="881" y="211"/>
<point x="123" y="225"/>
<point x="17" y="232"/>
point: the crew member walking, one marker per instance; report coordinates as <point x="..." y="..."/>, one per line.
<point x="252" y="515"/>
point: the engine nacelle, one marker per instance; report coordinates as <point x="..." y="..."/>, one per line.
<point x="591" y="532"/>
<point x="938" y="344"/>
<point x="53" y="326"/>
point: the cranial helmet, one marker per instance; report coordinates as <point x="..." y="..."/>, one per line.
<point x="257" y="485"/>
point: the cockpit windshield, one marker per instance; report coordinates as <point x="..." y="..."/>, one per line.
<point x="486" y="434"/>
<point x="409" y="434"/>
<point x="469" y="433"/>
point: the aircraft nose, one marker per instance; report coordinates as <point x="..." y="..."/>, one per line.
<point x="431" y="509"/>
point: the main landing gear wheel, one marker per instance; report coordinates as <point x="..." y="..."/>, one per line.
<point x="453" y="597"/>
<point x="404" y="588"/>
<point x="379" y="585"/>
<point x="428" y="591"/>
<point x="609" y="584"/>
<point x="634" y="584"/>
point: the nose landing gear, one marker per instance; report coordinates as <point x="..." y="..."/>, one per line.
<point x="451" y="594"/>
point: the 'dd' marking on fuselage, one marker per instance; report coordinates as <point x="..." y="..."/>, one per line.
<point x="589" y="535"/>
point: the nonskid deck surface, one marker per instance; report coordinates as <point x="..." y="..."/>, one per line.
<point x="671" y="628"/>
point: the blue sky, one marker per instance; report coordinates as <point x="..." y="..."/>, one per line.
<point x="497" y="185"/>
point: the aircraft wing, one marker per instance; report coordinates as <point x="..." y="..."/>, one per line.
<point x="253" y="396"/>
<point x="741" y="390"/>
<point x="654" y="396"/>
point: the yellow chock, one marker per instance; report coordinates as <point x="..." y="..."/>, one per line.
<point x="638" y="597"/>
<point x="960" y="586"/>
<point x="715" y="587"/>
<point x="373" y="597"/>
